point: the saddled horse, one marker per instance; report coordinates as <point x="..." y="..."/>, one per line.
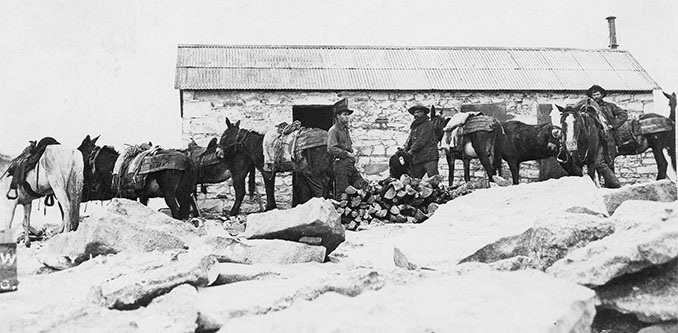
<point x="484" y="145"/>
<point x="525" y="142"/>
<point x="236" y="140"/>
<point x="582" y="139"/>
<point x="175" y="185"/>
<point x="59" y="172"/>
<point x="213" y="168"/>
<point x="658" y="141"/>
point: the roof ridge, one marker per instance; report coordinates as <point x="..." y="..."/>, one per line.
<point x="388" y="47"/>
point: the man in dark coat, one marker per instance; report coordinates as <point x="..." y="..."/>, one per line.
<point x="422" y="144"/>
<point x="612" y="117"/>
<point x="340" y="146"/>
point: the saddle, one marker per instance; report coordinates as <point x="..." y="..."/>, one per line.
<point x="132" y="167"/>
<point x="629" y="133"/>
<point x="26" y="161"/>
<point x="284" y="145"/>
<point x="467" y="123"/>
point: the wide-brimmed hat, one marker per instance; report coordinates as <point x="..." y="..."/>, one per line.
<point x="418" y="106"/>
<point x="341" y="107"/>
<point x="595" y="88"/>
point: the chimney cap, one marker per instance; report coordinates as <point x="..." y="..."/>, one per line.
<point x="610" y="18"/>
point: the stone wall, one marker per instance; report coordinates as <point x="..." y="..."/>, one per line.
<point x="204" y="114"/>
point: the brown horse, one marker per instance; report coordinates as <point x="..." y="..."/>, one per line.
<point x="174" y="185"/>
<point x="582" y="140"/>
<point x="316" y="176"/>
<point x="658" y="141"/>
<point x="485" y="145"/>
<point x="525" y="142"/>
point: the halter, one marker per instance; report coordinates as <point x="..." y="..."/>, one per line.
<point x="238" y="142"/>
<point x="577" y="132"/>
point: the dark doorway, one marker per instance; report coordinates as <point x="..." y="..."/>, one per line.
<point x="318" y="116"/>
<point x="312" y="116"/>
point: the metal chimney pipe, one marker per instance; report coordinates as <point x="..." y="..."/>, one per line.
<point x="613" y="32"/>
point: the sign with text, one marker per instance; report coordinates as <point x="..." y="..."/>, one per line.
<point x="8" y="273"/>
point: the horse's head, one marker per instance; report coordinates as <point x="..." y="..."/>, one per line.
<point x="439" y="122"/>
<point x="570" y="117"/>
<point x="229" y="139"/>
<point x="87" y="146"/>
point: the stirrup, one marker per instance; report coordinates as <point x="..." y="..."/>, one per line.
<point x="16" y="194"/>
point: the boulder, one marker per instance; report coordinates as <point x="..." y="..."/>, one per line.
<point x="632" y="213"/>
<point x="144" y="215"/>
<point x="175" y="311"/>
<point x="220" y="304"/>
<point x="651" y="294"/>
<point x="660" y="190"/>
<point x="547" y="241"/>
<point x="523" y="301"/>
<point x="137" y="288"/>
<point x="315" y="218"/>
<point x="101" y="235"/>
<point x="625" y="251"/>
<point x="261" y="251"/>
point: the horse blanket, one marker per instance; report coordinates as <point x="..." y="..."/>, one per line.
<point x="283" y="146"/>
<point x="133" y="166"/>
<point x="457" y="126"/>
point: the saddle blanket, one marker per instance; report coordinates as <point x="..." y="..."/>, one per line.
<point x="479" y="123"/>
<point x="132" y="167"/>
<point x="283" y="150"/>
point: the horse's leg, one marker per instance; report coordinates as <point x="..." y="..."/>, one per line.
<point x="514" y="166"/>
<point x="269" y="182"/>
<point x="27" y="223"/>
<point x="251" y="181"/>
<point x="450" y="168"/>
<point x="484" y="153"/>
<point x="9" y="209"/>
<point x="168" y="185"/>
<point x="467" y="169"/>
<point x="662" y="163"/>
<point x="239" y="186"/>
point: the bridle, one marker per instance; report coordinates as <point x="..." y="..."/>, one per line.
<point x="583" y="117"/>
<point x="239" y="142"/>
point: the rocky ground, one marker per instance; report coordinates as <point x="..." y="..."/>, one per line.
<point x="555" y="256"/>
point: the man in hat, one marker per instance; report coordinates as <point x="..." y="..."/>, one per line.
<point x="422" y="144"/>
<point x="340" y="146"/>
<point x="612" y="117"/>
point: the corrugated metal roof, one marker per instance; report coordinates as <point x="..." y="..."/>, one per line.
<point x="254" y="67"/>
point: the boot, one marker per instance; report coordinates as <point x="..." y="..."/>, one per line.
<point x="611" y="180"/>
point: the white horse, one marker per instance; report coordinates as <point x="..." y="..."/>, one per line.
<point x="59" y="172"/>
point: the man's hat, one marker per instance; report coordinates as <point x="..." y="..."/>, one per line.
<point x="342" y="106"/>
<point x="418" y="106"/>
<point x="595" y="88"/>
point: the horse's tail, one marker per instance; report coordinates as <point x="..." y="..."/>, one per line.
<point x="252" y="185"/>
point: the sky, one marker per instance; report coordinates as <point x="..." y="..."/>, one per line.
<point x="78" y="67"/>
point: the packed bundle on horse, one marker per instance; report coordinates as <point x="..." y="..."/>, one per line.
<point x="133" y="167"/>
<point x="26" y="161"/>
<point x="283" y="146"/>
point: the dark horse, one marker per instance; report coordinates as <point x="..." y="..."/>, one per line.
<point x="656" y="141"/>
<point x="175" y="186"/>
<point x="237" y="141"/>
<point x="213" y="168"/>
<point x="582" y="139"/>
<point x="525" y="142"/>
<point x="484" y="145"/>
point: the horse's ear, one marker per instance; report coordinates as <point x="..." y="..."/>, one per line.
<point x="212" y="143"/>
<point x="237" y="124"/>
<point x="433" y="111"/>
<point x="95" y="139"/>
<point x="228" y="123"/>
<point x="560" y="108"/>
<point x="667" y="95"/>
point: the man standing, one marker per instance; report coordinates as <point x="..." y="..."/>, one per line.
<point x="340" y="146"/>
<point x="612" y="117"/>
<point x="422" y="144"/>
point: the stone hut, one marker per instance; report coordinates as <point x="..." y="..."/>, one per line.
<point x="264" y="85"/>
